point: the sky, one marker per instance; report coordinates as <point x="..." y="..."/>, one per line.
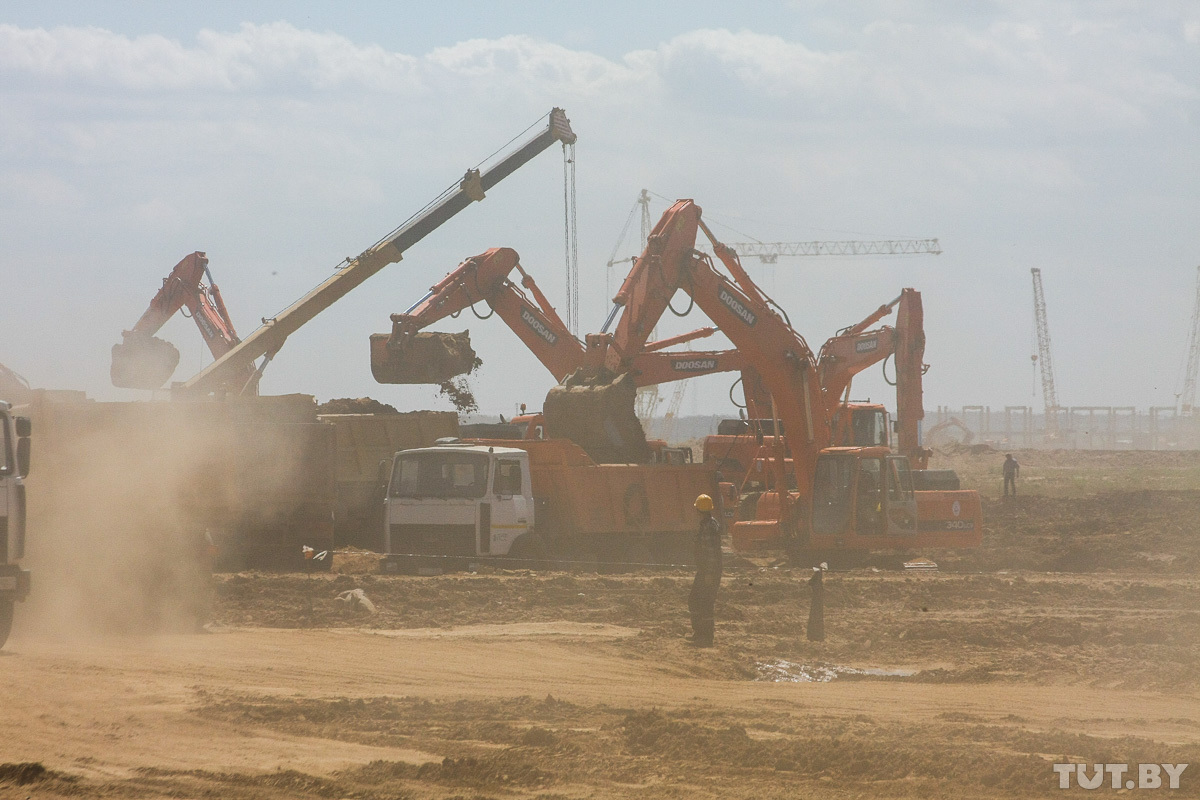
<point x="280" y="138"/>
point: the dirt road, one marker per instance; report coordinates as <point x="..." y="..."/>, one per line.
<point x="534" y="685"/>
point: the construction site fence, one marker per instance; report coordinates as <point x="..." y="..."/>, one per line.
<point x="1066" y="428"/>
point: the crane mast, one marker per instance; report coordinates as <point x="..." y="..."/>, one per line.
<point x="1188" y="397"/>
<point x="1049" y="395"/>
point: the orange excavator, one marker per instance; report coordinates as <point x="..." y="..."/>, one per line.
<point x="410" y="355"/>
<point x="143" y="361"/>
<point x="843" y="356"/>
<point x="817" y="497"/>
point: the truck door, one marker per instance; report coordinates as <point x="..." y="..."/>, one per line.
<point x="901" y="501"/>
<point x="868" y="496"/>
<point x="511" y="513"/>
<point x="833" y="487"/>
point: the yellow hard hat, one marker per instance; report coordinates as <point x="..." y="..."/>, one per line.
<point x="704" y="503"/>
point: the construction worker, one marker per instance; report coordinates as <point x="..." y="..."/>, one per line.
<point x="1011" y="470"/>
<point x="703" y="598"/>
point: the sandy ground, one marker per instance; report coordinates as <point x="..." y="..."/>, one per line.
<point x="966" y="683"/>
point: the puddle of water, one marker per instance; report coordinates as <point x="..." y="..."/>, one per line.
<point x="780" y="671"/>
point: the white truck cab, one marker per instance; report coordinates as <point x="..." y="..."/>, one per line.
<point x="454" y="499"/>
<point x="14" y="466"/>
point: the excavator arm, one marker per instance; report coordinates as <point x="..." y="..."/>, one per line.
<point x="408" y="356"/>
<point x="142" y="360"/>
<point x="781" y="366"/>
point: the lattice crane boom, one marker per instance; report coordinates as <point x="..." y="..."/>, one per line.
<point x="769" y="252"/>
<point x="1049" y="394"/>
<point x="1192" y="372"/>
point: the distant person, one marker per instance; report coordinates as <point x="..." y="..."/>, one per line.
<point x="703" y="598"/>
<point x="1011" y="470"/>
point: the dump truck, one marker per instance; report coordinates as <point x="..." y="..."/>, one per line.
<point x="140" y="483"/>
<point x="366" y="444"/>
<point x="14" y="466"/>
<point x="532" y="500"/>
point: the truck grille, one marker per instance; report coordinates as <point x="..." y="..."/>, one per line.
<point x="433" y="540"/>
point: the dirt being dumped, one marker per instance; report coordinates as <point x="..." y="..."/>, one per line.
<point x="459" y="393"/>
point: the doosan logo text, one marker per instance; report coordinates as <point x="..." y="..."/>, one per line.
<point x="538" y="327"/>
<point x="694" y="365"/>
<point x="866" y="345"/>
<point x="737" y="307"/>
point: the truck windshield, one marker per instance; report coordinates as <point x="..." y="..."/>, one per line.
<point x="440" y="475"/>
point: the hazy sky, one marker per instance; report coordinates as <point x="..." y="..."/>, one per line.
<point x="282" y="137"/>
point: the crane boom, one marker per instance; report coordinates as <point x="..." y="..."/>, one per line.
<point x="769" y="252"/>
<point x="1188" y="398"/>
<point x="267" y="340"/>
<point x="1049" y="394"/>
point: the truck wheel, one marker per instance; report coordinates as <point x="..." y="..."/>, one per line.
<point x="529" y="547"/>
<point x="6" y="619"/>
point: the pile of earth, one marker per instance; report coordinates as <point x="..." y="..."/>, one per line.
<point x="355" y="405"/>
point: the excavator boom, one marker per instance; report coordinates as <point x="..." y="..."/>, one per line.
<point x="142" y="360"/>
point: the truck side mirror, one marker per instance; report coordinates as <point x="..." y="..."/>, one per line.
<point x="23" y="456"/>
<point x="24" y="426"/>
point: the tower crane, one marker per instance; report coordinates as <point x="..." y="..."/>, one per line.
<point x="1049" y="395"/>
<point x="769" y="252"/>
<point x="1187" y="398"/>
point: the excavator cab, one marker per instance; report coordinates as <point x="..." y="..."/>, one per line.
<point x="142" y="361"/>
<point x="863" y="491"/>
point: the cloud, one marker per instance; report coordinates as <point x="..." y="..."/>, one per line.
<point x="249" y="58"/>
<point x="282" y="149"/>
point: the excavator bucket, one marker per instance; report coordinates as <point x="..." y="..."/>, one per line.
<point x="142" y="362"/>
<point x="597" y="413"/>
<point x="422" y="357"/>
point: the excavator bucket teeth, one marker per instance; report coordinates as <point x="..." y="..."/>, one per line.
<point x="597" y="413"/>
<point x="422" y="358"/>
<point x="143" y="362"/>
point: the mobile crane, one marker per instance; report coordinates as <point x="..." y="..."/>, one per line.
<point x="225" y="374"/>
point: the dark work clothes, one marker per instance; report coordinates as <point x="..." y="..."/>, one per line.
<point x="1011" y="470"/>
<point x="703" y="598"/>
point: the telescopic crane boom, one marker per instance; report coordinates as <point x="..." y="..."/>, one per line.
<point x="221" y="375"/>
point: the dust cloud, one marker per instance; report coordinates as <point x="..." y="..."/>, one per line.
<point x="124" y="499"/>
